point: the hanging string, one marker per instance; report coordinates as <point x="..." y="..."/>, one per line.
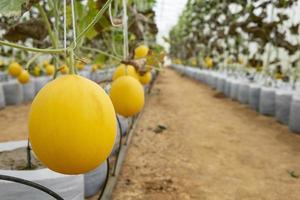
<point x="125" y="31"/>
<point x="73" y="22"/>
<point x="65" y="26"/>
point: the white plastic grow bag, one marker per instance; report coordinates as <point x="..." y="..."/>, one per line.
<point x="267" y="101"/>
<point x="2" y="97"/>
<point x="243" y="93"/>
<point x="221" y="84"/>
<point x="214" y="81"/>
<point x="85" y="73"/>
<point x="40" y="82"/>
<point x="234" y="89"/>
<point x="294" y="118"/>
<point x="283" y="105"/>
<point x="28" y="91"/>
<point x="254" y="96"/>
<point x="13" y="92"/>
<point x="3" y="76"/>
<point x="227" y="87"/>
<point x="68" y="187"/>
<point x="94" y="180"/>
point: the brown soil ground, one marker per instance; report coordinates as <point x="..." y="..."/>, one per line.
<point x="17" y="160"/>
<point x="13" y="122"/>
<point x="212" y="149"/>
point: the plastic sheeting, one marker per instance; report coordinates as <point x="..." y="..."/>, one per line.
<point x="40" y="82"/>
<point x="254" y="96"/>
<point x="116" y="144"/>
<point x="283" y="105"/>
<point x="294" y="118"/>
<point x="214" y="81"/>
<point x="3" y="76"/>
<point x="28" y="91"/>
<point x="68" y="187"/>
<point x="2" y="97"/>
<point x="94" y="180"/>
<point x="227" y="87"/>
<point x="13" y="92"/>
<point x="85" y="73"/>
<point x="221" y="84"/>
<point x="125" y="123"/>
<point x="234" y="88"/>
<point x="267" y="101"/>
<point x="243" y="93"/>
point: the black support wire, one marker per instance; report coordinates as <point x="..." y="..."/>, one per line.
<point x="119" y="148"/>
<point x="106" y="180"/>
<point x="31" y="184"/>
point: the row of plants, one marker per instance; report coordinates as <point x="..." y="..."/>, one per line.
<point x="248" y="37"/>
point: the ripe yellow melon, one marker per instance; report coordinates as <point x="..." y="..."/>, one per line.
<point x="72" y="125"/>
<point x="127" y="95"/>
<point x="14" y="69"/>
<point x="121" y="71"/>
<point x="36" y="70"/>
<point x="64" y="69"/>
<point x="50" y="69"/>
<point x="45" y="63"/>
<point x="141" y="52"/>
<point x="24" y="77"/>
<point x="94" y="67"/>
<point x="209" y="62"/>
<point x="80" y="65"/>
<point x="146" y="78"/>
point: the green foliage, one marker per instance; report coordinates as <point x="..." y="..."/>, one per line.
<point x="12" y="7"/>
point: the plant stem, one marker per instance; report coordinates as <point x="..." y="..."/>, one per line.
<point x="101" y="52"/>
<point x="31" y="60"/>
<point x="71" y="61"/>
<point x="32" y="49"/>
<point x="53" y="35"/>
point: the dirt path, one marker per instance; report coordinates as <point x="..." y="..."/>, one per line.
<point x="212" y="149"/>
<point x="13" y="122"/>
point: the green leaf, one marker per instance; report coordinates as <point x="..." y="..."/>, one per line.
<point x="11" y="7"/>
<point x="100" y="59"/>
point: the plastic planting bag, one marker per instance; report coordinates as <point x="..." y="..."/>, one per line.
<point x="68" y="187"/>
<point x="234" y="88"/>
<point x="208" y="79"/>
<point x="220" y="84"/>
<point x="227" y="87"/>
<point x="243" y="93"/>
<point x="254" y="96"/>
<point x="3" y="76"/>
<point x="13" y="92"/>
<point x="267" y="101"/>
<point x="294" y="119"/>
<point x="94" y="180"/>
<point x="283" y="105"/>
<point x="214" y="81"/>
<point x="40" y="82"/>
<point x="28" y="91"/>
<point x="85" y="73"/>
<point x="2" y="98"/>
